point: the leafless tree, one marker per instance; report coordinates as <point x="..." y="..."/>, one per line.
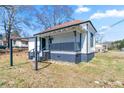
<point x="8" y="20"/>
<point x="49" y="16"/>
<point x="15" y="18"/>
<point x="11" y="20"/>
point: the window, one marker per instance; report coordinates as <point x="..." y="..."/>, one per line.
<point x="91" y="39"/>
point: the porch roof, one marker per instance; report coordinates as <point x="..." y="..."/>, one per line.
<point x="66" y="25"/>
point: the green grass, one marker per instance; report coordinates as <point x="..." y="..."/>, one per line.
<point x="105" y="68"/>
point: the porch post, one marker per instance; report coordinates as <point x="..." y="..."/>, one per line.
<point x="49" y="47"/>
<point x="75" y="46"/>
<point x="36" y="61"/>
<point x="40" y="43"/>
<point x="80" y="40"/>
<point x="11" y="53"/>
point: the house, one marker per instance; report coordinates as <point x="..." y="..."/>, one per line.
<point x="101" y="48"/>
<point x="1" y="43"/>
<point x="122" y="49"/>
<point x="72" y="41"/>
<point x="19" y="43"/>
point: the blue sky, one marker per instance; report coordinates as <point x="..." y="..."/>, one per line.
<point x="103" y="17"/>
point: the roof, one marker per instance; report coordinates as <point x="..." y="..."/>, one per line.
<point x="14" y="36"/>
<point x="64" y="25"/>
<point x="24" y="40"/>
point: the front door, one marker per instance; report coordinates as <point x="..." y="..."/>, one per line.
<point x="43" y="43"/>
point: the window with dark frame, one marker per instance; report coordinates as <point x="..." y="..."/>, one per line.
<point x="91" y="39"/>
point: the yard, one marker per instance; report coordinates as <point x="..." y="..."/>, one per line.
<point x="105" y="70"/>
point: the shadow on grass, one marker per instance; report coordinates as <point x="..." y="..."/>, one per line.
<point x="21" y="64"/>
<point x="47" y="64"/>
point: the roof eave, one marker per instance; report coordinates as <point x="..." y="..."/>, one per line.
<point x="66" y="27"/>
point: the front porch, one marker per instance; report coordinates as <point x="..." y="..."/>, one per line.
<point x="64" y="44"/>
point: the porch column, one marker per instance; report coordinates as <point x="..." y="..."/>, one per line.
<point x="49" y="42"/>
<point x="40" y="39"/>
<point x="75" y="45"/>
<point x="80" y="40"/>
<point x="36" y="61"/>
<point x="11" y="53"/>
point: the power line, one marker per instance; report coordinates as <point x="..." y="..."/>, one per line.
<point x="108" y="27"/>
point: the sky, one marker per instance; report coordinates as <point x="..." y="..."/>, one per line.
<point x="102" y="17"/>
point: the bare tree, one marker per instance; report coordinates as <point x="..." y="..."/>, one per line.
<point x="17" y="18"/>
<point x="8" y="20"/>
<point x="13" y="20"/>
<point x="49" y="16"/>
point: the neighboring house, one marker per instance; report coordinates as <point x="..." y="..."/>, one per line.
<point x="72" y="41"/>
<point x="122" y="49"/>
<point x="101" y="48"/>
<point x="20" y="43"/>
<point x="1" y="43"/>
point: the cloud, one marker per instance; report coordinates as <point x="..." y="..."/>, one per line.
<point x="104" y="28"/>
<point x="81" y="9"/>
<point x="108" y="13"/>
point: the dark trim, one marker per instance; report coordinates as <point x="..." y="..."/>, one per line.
<point x="67" y="27"/>
<point x="75" y="38"/>
<point x="72" y="58"/>
<point x="87" y="57"/>
<point x="80" y="40"/>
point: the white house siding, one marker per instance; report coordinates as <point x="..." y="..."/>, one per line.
<point x="84" y="39"/>
<point x="47" y="43"/>
<point x="66" y="37"/>
<point x="18" y="43"/>
<point x="1" y="42"/>
<point x="83" y="43"/>
<point x="31" y="44"/>
<point x="91" y="30"/>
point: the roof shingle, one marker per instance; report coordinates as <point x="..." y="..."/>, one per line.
<point x="62" y="25"/>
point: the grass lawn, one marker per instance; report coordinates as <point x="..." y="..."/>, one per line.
<point x="105" y="70"/>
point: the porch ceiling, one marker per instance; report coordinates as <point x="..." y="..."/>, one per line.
<point x="63" y="30"/>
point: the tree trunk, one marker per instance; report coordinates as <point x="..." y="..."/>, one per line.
<point x="8" y="38"/>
